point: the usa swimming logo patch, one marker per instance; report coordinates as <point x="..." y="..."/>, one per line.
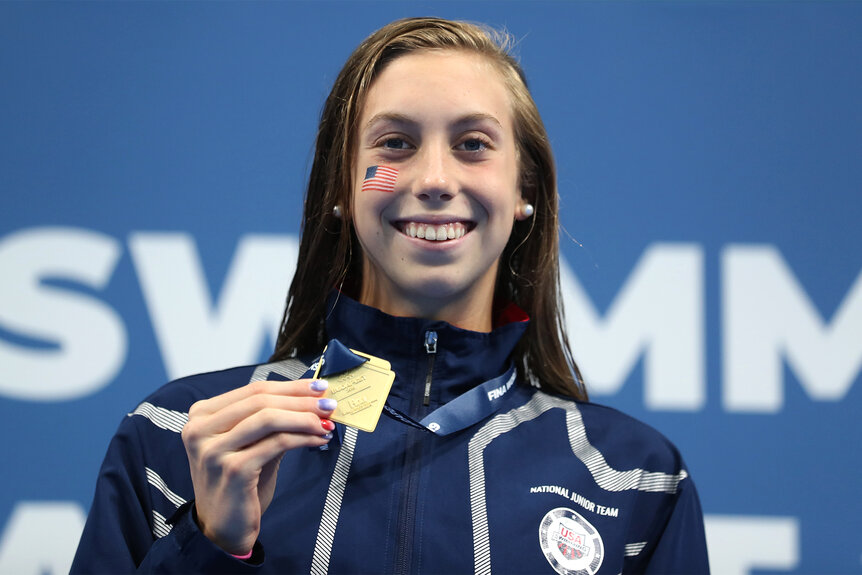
<point x="570" y="543"/>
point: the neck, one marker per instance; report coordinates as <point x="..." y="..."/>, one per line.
<point x="465" y="311"/>
<point x="468" y="308"/>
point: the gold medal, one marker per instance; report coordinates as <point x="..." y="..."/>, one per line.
<point x="360" y="392"/>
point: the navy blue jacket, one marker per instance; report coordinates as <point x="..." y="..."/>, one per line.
<point x="516" y="481"/>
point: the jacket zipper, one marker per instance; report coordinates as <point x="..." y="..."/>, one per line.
<point x="431" y="350"/>
<point x="412" y="469"/>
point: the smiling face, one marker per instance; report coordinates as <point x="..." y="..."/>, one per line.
<point x="443" y="120"/>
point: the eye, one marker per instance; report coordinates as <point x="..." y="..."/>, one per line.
<point x="474" y="145"/>
<point x="395" y="144"/>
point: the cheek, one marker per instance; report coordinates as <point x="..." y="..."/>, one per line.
<point x="368" y="216"/>
<point x="505" y="205"/>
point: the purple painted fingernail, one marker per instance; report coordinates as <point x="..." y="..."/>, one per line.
<point x="328" y="435"/>
<point x="319" y="385"/>
<point x="327" y="404"/>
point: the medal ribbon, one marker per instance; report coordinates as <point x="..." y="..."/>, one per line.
<point x="338" y="358"/>
<point x="465" y="410"/>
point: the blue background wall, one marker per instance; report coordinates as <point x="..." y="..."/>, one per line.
<point x="710" y="167"/>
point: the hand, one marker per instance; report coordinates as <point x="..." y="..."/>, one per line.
<point x="235" y="442"/>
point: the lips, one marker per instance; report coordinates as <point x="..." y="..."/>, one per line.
<point x="437" y="232"/>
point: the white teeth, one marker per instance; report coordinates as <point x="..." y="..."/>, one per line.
<point x="432" y="232"/>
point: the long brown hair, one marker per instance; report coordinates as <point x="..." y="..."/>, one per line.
<point x="330" y="255"/>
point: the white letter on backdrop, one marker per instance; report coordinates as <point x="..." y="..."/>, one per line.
<point x="41" y="537"/>
<point x="659" y="312"/>
<point x="767" y="316"/>
<point x="193" y="334"/>
<point x="90" y="336"/>
<point x="739" y="544"/>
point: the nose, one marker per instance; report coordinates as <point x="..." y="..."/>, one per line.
<point x="436" y="181"/>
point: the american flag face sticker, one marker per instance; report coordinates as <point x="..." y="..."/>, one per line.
<point x="379" y="179"/>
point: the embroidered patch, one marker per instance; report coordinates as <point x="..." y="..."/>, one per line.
<point x="570" y="543"/>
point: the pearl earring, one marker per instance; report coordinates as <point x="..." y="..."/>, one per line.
<point x="527" y="209"/>
<point x="336" y="211"/>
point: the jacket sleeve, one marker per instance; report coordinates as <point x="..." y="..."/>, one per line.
<point x="119" y="535"/>
<point x="681" y="548"/>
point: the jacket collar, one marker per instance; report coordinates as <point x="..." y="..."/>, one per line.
<point x="464" y="359"/>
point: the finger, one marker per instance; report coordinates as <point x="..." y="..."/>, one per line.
<point x="229" y="417"/>
<point x="297" y="388"/>
<point x="249" y="462"/>
<point x="266" y="422"/>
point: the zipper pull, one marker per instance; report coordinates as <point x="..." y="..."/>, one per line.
<point x="431" y="342"/>
<point x="431" y="350"/>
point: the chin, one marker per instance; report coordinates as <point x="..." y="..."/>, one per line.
<point x="437" y="289"/>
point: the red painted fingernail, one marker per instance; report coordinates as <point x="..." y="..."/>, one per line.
<point x="327" y="425"/>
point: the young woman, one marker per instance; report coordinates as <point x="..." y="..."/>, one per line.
<point x="429" y="241"/>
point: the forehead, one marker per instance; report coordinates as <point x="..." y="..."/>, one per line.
<point x="439" y="84"/>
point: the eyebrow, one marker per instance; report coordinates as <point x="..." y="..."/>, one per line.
<point x="407" y="120"/>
